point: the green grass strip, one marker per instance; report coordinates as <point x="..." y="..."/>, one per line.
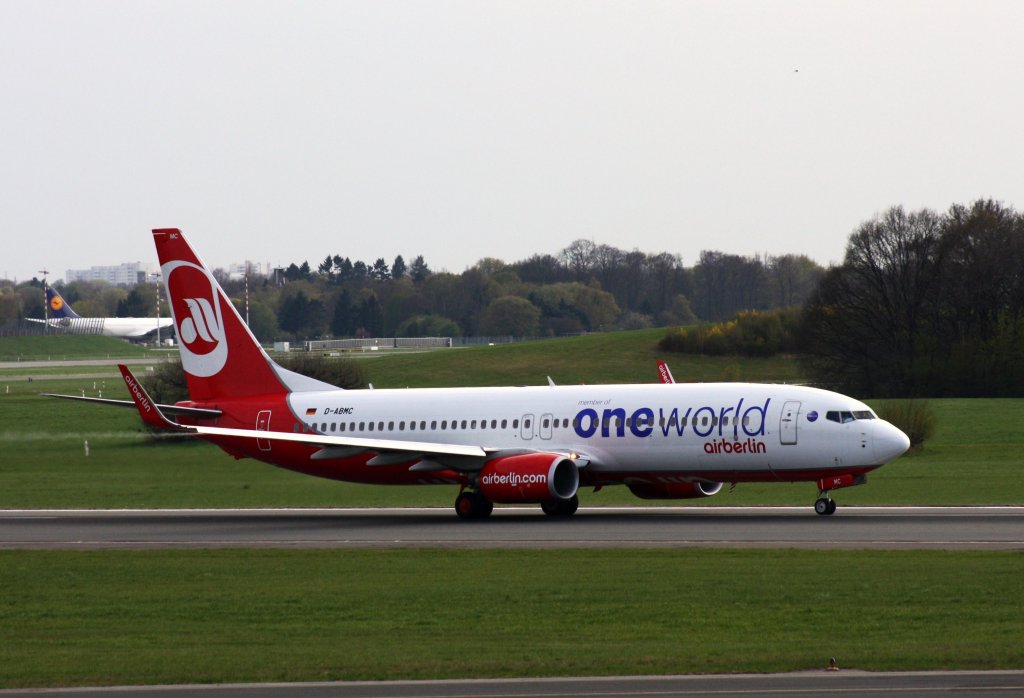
<point x="139" y="617"/>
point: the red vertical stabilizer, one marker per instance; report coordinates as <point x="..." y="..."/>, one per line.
<point x="221" y="357"/>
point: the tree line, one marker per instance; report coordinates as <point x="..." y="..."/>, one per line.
<point x="924" y="304"/>
<point x="585" y="287"/>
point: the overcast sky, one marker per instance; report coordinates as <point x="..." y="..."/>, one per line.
<point x="286" y="131"/>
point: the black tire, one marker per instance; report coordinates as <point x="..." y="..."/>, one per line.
<point x="473" y="505"/>
<point x="831" y="507"/>
<point x="824" y="507"/>
<point x="562" y="507"/>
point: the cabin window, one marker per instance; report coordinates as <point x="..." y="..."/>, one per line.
<point x="862" y="414"/>
<point x="380" y="426"/>
<point x="515" y="423"/>
<point x="391" y="426"/>
<point x="494" y="424"/>
<point x="545" y="423"/>
<point x="444" y="423"/>
<point x="464" y="423"/>
<point x="483" y="423"/>
<point x="433" y="424"/>
<point x="341" y="427"/>
<point x="526" y="424"/>
<point x="362" y="426"/>
<point x="504" y="424"/>
<point x="371" y="426"/>
<point x="295" y="427"/>
<point x="334" y="427"/>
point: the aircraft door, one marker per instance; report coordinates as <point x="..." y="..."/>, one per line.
<point x="526" y="427"/>
<point x="787" y="423"/>
<point x="545" y="426"/>
<point x="263" y="424"/>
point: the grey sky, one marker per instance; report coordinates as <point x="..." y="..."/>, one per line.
<point x="281" y="131"/>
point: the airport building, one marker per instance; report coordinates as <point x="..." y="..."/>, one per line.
<point x="127" y="274"/>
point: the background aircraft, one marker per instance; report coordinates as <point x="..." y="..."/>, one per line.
<point x="502" y="445"/>
<point x="136" y="328"/>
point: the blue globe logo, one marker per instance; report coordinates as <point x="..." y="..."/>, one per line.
<point x="812" y="416"/>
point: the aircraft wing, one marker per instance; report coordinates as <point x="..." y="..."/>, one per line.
<point x="387" y="449"/>
<point x="425" y="448"/>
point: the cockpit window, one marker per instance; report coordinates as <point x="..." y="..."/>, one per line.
<point x="846" y="417"/>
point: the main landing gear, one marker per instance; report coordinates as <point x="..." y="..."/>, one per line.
<point x="563" y="507"/>
<point x="473" y="505"/>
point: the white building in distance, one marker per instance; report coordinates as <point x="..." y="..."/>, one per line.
<point x="127" y="274"/>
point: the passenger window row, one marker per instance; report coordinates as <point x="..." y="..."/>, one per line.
<point x="421" y="425"/>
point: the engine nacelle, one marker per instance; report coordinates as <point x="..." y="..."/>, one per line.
<point x="529" y="478"/>
<point x="674" y="490"/>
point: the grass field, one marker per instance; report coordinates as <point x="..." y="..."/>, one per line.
<point x="116" y="617"/>
<point x="616" y="357"/>
<point x="125" y="617"/>
<point x="62" y="347"/>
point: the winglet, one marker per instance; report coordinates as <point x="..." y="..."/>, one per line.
<point x="664" y="375"/>
<point x="148" y="409"/>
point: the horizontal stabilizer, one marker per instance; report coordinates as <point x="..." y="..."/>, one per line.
<point x="148" y="410"/>
<point x="176" y="410"/>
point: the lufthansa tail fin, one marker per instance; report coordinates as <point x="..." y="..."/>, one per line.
<point x="221" y="357"/>
<point x="59" y="308"/>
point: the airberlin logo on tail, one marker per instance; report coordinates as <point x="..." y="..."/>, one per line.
<point x="202" y="323"/>
<point x="197" y="312"/>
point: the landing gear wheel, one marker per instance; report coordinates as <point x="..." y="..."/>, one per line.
<point x="831" y="506"/>
<point x="473" y="505"/>
<point x="562" y="507"/>
<point x="824" y="507"/>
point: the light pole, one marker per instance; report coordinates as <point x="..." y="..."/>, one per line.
<point x="156" y="282"/>
<point x="46" y="303"/>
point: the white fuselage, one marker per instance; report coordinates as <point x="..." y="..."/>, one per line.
<point x="715" y="427"/>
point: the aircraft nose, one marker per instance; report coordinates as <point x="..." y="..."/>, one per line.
<point x="890" y="443"/>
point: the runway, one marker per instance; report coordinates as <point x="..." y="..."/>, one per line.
<point x="976" y="528"/>
<point x="856" y="684"/>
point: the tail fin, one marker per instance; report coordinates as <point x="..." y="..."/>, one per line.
<point x="664" y="374"/>
<point x="59" y="308"/>
<point x="221" y="357"/>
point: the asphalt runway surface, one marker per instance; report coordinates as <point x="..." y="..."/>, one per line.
<point x="854" y="684"/>
<point x="975" y="528"/>
<point x="851" y="527"/>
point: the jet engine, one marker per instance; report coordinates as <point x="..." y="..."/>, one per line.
<point x="674" y="490"/>
<point x="529" y="478"/>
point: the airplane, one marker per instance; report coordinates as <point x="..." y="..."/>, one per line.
<point x="512" y="445"/>
<point x="63" y="315"/>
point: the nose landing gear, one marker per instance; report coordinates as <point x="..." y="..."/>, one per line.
<point x="824" y="506"/>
